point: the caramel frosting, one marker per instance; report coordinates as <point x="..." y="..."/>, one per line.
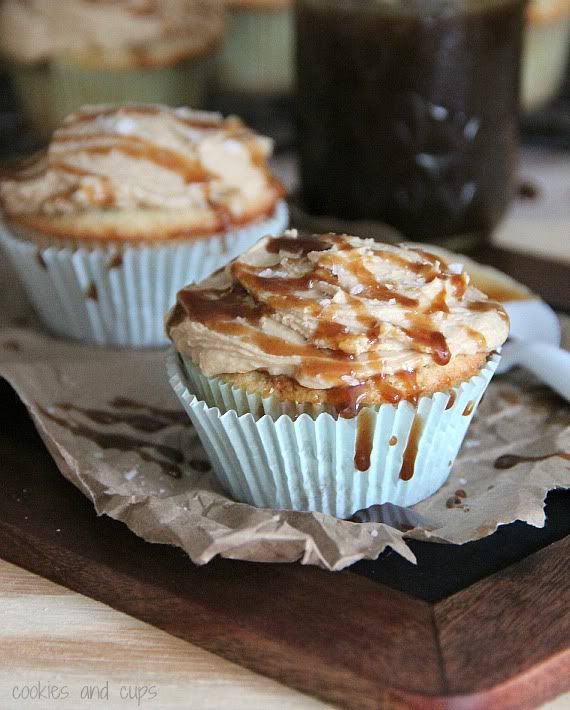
<point x="331" y="311"/>
<point x="123" y="32"/>
<point x="106" y="159"/>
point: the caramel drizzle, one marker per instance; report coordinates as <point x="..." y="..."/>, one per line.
<point x="238" y="311"/>
<point x="191" y="171"/>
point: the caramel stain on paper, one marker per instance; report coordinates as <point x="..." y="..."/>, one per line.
<point x="149" y="420"/>
<point x="168" y="458"/>
<point x="510" y="460"/>
<point x="201" y="465"/>
<point x="172" y="416"/>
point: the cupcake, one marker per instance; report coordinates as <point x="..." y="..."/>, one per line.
<point x="256" y="55"/>
<point x="126" y="206"/>
<point x="67" y="53"/>
<point x="331" y="373"/>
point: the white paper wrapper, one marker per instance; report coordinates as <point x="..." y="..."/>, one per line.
<point x="270" y="459"/>
<point x="95" y="296"/>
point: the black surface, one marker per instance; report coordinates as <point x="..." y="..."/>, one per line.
<point x="441" y="569"/>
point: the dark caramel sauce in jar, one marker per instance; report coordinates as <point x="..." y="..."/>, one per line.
<point x="403" y="106"/>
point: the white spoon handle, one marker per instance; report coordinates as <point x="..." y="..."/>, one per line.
<point x="549" y="363"/>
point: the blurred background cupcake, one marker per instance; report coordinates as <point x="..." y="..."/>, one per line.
<point x="125" y="206"/>
<point x="254" y="66"/>
<point x="256" y="54"/>
<point x="545" y="53"/>
<point x="63" y="54"/>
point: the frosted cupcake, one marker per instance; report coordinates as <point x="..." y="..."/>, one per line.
<point x="331" y="373"/>
<point x="65" y="53"/>
<point x="126" y="206"/>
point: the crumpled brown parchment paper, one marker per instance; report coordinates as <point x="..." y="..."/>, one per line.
<point x="117" y="431"/>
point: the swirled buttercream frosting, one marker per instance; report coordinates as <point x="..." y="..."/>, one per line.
<point x="117" y="32"/>
<point x="334" y="310"/>
<point x="110" y="159"/>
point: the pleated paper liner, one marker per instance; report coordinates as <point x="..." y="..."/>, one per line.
<point x="274" y="455"/>
<point x="118" y="295"/>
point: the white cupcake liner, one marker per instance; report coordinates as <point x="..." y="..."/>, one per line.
<point x="267" y="458"/>
<point x="78" y="293"/>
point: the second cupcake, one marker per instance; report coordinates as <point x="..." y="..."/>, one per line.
<point x="332" y="373"/>
<point x="126" y="206"/>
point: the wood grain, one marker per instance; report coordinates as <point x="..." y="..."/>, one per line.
<point x="355" y="643"/>
<point x="518" y="619"/>
<point x="54" y="635"/>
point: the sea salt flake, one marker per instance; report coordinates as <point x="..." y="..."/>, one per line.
<point x="392" y="302"/>
<point x="269" y="274"/>
<point x="456" y="268"/>
<point x="350" y="380"/>
<point x="471" y="443"/>
<point x="125" y="126"/>
<point x="374" y="533"/>
<point x="129" y="475"/>
<point x="355" y="290"/>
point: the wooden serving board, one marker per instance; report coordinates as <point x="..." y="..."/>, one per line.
<point x="483" y="625"/>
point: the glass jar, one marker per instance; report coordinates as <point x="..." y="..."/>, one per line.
<point x="408" y="112"/>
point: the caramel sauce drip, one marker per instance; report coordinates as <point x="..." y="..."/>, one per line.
<point x="468" y="409"/>
<point x="392" y="441"/>
<point x="116" y="261"/>
<point x="91" y="292"/>
<point x="364" y="440"/>
<point x="433" y="341"/>
<point x="40" y="259"/>
<point x="451" y="400"/>
<point x="509" y="460"/>
<point x="409" y="460"/>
